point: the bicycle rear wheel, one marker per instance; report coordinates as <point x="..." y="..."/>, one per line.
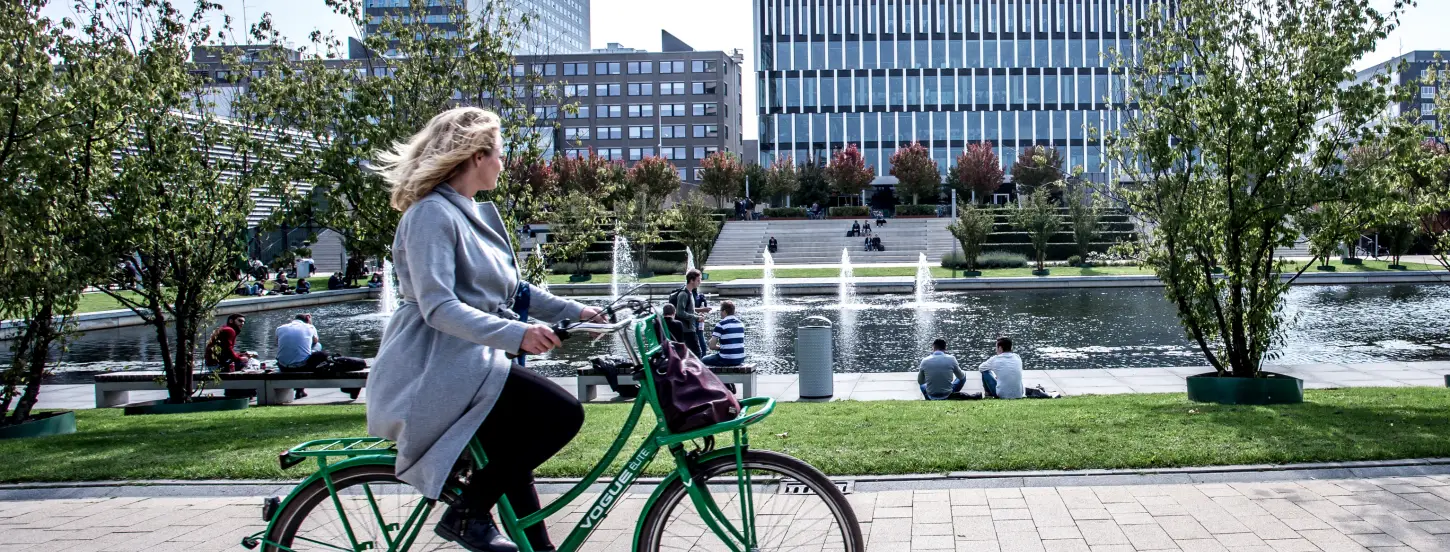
<point x="795" y="508"/>
<point x="370" y="510"/>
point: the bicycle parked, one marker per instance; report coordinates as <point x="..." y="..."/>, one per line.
<point x="733" y="498"/>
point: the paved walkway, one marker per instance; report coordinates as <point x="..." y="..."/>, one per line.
<point x="902" y="385"/>
<point x="1238" y="513"/>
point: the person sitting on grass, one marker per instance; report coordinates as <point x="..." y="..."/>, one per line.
<point x="376" y="281"/>
<point x="336" y="281"/>
<point x="280" y="284"/>
<point x="938" y="374"/>
<point x="1002" y="374"/>
<point x="727" y="339"/>
<point x="303" y="286"/>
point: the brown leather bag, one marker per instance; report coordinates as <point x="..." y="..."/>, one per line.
<point x="690" y="394"/>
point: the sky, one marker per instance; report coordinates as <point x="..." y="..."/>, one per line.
<point x="726" y="25"/>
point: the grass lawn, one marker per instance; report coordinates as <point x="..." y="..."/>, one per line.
<point x="884" y="437"/>
<point x="939" y="272"/>
<point x="96" y="302"/>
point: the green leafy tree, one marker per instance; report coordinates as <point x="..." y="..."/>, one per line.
<point x="848" y="173"/>
<point x="642" y="216"/>
<point x="721" y="177"/>
<point x="696" y="227"/>
<point x="576" y="222"/>
<point x="916" y="173"/>
<point x="591" y="174"/>
<point x="1039" y="219"/>
<point x="1226" y="161"/>
<point x="1084" y="213"/>
<point x="1037" y="166"/>
<point x="815" y="187"/>
<point x="59" y="128"/>
<point x="782" y="179"/>
<point x="971" y="229"/>
<point x="1430" y="168"/>
<point x="755" y="177"/>
<point x="342" y="110"/>
<point x="978" y="172"/>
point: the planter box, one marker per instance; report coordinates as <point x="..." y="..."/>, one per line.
<point x="1043" y="272"/>
<point x="971" y="273"/>
<point x="42" y="425"/>
<point x="197" y="404"/>
<point x="1399" y="267"/>
<point x="1268" y="388"/>
<point x="1324" y="268"/>
<point x="580" y="277"/>
<point x="1351" y="260"/>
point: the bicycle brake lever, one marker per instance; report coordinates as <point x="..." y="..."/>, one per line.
<point x="561" y="330"/>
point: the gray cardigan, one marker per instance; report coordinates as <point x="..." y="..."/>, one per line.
<point x="441" y="364"/>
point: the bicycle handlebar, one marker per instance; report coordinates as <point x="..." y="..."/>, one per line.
<point x="564" y="329"/>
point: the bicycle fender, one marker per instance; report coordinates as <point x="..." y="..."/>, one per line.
<point x="671" y="478"/>
<point x="378" y="460"/>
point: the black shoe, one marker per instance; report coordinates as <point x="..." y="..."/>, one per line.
<point x="299" y="394"/>
<point x="353" y="393"/>
<point x="473" y="534"/>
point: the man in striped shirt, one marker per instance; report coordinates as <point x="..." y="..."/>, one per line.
<point x="728" y="339"/>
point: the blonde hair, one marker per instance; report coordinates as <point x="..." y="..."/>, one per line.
<point x="431" y="156"/>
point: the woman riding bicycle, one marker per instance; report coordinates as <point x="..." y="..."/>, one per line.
<point x="441" y="375"/>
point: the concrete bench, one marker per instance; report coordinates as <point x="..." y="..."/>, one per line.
<point x="744" y="375"/>
<point x="113" y="388"/>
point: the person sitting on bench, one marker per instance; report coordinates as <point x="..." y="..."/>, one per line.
<point x="299" y="349"/>
<point x="773" y="247"/>
<point x="676" y="329"/>
<point x="727" y="339"/>
<point x="221" y="349"/>
<point x="938" y="373"/>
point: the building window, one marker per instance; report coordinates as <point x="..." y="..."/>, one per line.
<point x="672" y="89"/>
<point x="606" y="90"/>
<point x="667" y="67"/>
<point x="572" y="90"/>
<point x="702" y="66"/>
<point x="611" y="154"/>
<point x="704" y="109"/>
<point x="582" y="112"/>
<point x="672" y="110"/>
<point x="609" y="111"/>
<point x="548" y="112"/>
<point x="703" y="88"/>
<point x="707" y="131"/>
<point x="576" y="134"/>
<point x="699" y="172"/>
<point x="1427" y="92"/>
<point x="641" y="132"/>
<point x="642" y="110"/>
<point x="1427" y="110"/>
<point x="576" y="153"/>
<point x="635" y="154"/>
<point x="673" y="131"/>
<point x="608" y="133"/>
<point x="640" y="67"/>
<point x="673" y="154"/>
<point x="572" y="69"/>
<point x="518" y="70"/>
<point x="641" y="89"/>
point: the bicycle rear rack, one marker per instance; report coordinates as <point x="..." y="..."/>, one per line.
<point x="322" y="449"/>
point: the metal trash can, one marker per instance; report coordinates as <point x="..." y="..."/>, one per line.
<point x="814" y="358"/>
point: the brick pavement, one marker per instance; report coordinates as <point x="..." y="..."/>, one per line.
<point x="1391" y="514"/>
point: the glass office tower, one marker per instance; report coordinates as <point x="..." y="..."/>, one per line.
<point x="945" y="73"/>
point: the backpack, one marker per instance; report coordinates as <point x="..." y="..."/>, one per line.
<point x="691" y="396"/>
<point x="337" y="364"/>
<point x="613" y="367"/>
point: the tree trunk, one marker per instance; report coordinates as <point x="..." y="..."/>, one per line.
<point x="41" y="339"/>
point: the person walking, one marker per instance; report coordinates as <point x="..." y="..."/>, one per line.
<point x="442" y="375"/>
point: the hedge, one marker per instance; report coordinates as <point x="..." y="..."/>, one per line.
<point x="785" y="212"/>
<point x="850" y="211"/>
<point x="915" y="210"/>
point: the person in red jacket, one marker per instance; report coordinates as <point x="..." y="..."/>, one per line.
<point x="221" y="349"/>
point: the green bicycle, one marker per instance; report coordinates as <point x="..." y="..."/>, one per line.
<point x="739" y="499"/>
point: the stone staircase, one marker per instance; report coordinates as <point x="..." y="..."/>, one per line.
<point x="821" y="241"/>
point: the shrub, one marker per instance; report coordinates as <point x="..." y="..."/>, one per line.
<point x="914" y="210"/>
<point x="849" y="211"/>
<point x="1075" y="260"/>
<point x="658" y="266"/>
<point x="785" y="212"/>
<point x="990" y="259"/>
<point x="590" y="267"/>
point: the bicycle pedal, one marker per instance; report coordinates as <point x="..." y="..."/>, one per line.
<point x="269" y="507"/>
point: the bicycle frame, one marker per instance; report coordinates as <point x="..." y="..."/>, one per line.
<point x="647" y="331"/>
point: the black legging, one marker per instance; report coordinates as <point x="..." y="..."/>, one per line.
<point x="533" y="419"/>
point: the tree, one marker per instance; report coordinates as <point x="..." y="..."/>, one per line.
<point x="814" y="186"/>
<point x="1085" y="214"/>
<point x="1226" y="161"/>
<point x="1038" y="218"/>
<point x="576" y="222"/>
<point x="848" y="173"/>
<point x="642" y="215"/>
<point x="591" y="174"/>
<point x="782" y="179"/>
<point x="721" y="176"/>
<point x="534" y="180"/>
<point x="1430" y="167"/>
<point x="978" y="172"/>
<point x="916" y="173"/>
<point x="177" y="207"/>
<point x="59" y="128"/>
<point x="971" y="229"/>
<point x="755" y="178"/>
<point x="696" y="227"/>
<point x="1036" y="166"/>
<point x="349" y="108"/>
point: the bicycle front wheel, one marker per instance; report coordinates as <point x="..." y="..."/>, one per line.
<point x="368" y="508"/>
<point x="795" y="507"/>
